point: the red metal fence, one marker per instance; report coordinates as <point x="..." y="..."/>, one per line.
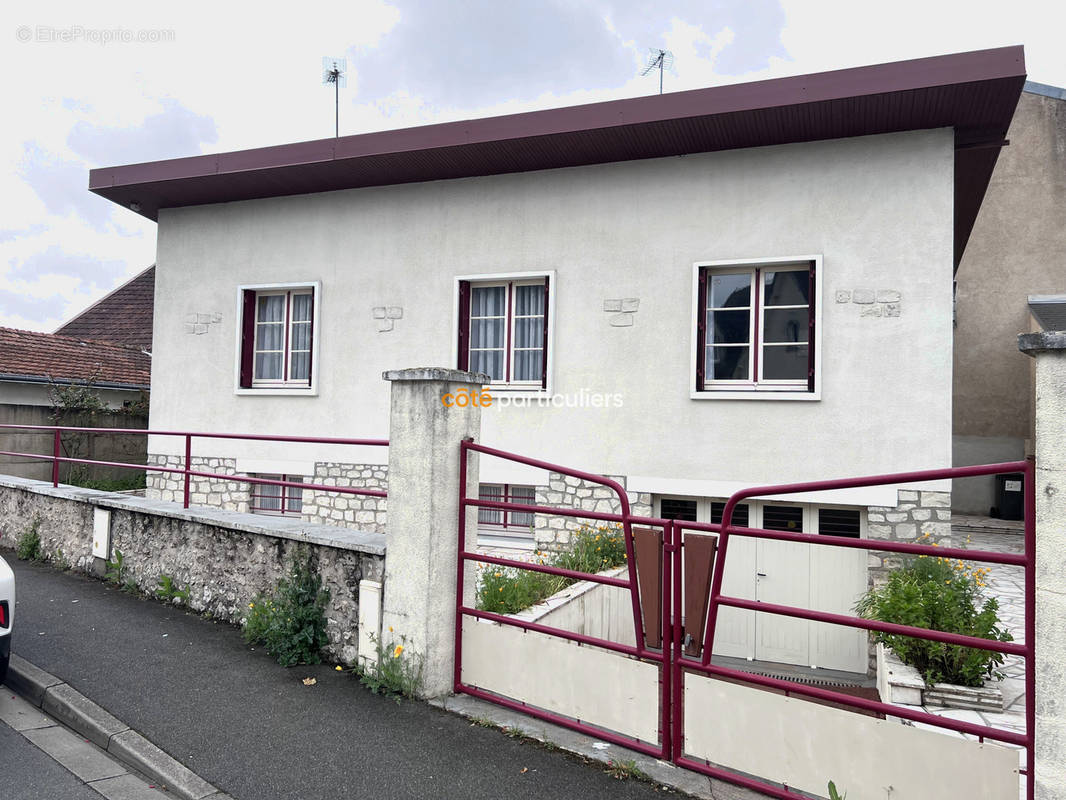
<point x="186" y="470"/>
<point x="672" y="659"/>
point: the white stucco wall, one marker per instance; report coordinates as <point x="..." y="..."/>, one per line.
<point x="877" y="209"/>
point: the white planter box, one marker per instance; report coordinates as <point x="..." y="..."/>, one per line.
<point x="902" y="684"/>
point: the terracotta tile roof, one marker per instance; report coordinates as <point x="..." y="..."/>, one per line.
<point x="124" y="316"/>
<point x="63" y="358"/>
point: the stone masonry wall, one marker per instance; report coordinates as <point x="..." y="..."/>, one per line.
<point x="170" y="486"/>
<point x="563" y="491"/>
<point x="915" y="514"/>
<point x="368" y="513"/>
<point x="223" y="565"/>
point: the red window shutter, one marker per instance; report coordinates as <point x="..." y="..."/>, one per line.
<point x="544" y="343"/>
<point x="810" y="329"/>
<point x="311" y="343"/>
<point x="247" y="338"/>
<point x="701" y="329"/>
<point x="464" y="326"/>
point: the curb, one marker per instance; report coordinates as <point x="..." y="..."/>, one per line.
<point x="73" y="709"/>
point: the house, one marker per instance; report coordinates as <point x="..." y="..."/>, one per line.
<point x="123" y="316"/>
<point x="694" y="292"/>
<point x="34" y="365"/>
<point x="1017" y="249"/>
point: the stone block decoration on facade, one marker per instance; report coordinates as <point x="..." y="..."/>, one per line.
<point x="565" y="491"/>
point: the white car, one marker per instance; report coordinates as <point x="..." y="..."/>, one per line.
<point x="7" y="612"/>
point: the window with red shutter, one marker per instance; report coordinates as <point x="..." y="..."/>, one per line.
<point x="503" y="330"/>
<point x="277" y="337"/>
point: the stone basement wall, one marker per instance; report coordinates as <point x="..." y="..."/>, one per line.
<point x="915" y="514"/>
<point x="221" y="557"/>
<point x="369" y="513"/>
<point x="552" y="532"/>
<point x="170" y="486"/>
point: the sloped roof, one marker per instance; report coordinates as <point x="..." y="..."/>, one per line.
<point x="124" y="316"/>
<point x="36" y="357"/>
<point x="974" y="93"/>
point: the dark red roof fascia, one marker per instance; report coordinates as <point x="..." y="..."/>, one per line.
<point x="975" y="93"/>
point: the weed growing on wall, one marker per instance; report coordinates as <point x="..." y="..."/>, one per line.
<point x="940" y="594"/>
<point x="290" y="622"/>
<point x="393" y="671"/>
<point x="28" y="543"/>
<point x="115" y="569"/>
<point x="507" y="590"/>
<point x="169" y="592"/>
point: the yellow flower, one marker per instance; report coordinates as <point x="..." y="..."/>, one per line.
<point x="501" y="588"/>
<point x="339" y="668"/>
<point x="390" y="629"/>
<point x="251" y="605"/>
<point x="396" y="652"/>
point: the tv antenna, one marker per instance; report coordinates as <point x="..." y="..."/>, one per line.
<point x="661" y="59"/>
<point x="335" y="73"/>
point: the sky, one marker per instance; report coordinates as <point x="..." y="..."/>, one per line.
<point x="91" y="85"/>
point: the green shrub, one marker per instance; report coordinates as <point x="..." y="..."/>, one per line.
<point x="136" y="480"/>
<point x="168" y="591"/>
<point x="939" y="594"/>
<point x="508" y="590"/>
<point x="394" y="671"/>
<point x="28" y="544"/>
<point x="291" y="622"/>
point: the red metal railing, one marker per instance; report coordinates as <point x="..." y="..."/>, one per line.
<point x="675" y="663"/>
<point x="186" y="471"/>
<point x="1026" y="560"/>
<point x="640" y="650"/>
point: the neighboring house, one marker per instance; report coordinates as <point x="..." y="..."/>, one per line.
<point x="1017" y="249"/>
<point x="123" y="316"/>
<point x="694" y="292"/>
<point x="32" y="364"/>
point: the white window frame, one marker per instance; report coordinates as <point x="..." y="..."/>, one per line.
<point x="512" y="388"/>
<point x="272" y="387"/>
<point x="762" y="390"/>
<point x="491" y="534"/>
<point x="283" y="494"/>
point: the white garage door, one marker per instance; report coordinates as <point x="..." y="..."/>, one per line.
<point x="821" y="578"/>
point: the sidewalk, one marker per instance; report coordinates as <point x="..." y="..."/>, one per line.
<point x="252" y="728"/>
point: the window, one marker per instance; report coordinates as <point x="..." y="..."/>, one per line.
<point x="503" y="330"/>
<point x="277" y="337"/>
<point x="740" y="513"/>
<point x="674" y="508"/>
<point x="506" y="520"/>
<point x="269" y="499"/>
<point x="840" y="522"/>
<point x="755" y="328"/>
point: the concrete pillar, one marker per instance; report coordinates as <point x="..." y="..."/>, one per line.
<point x="422" y="530"/>
<point x="1049" y="350"/>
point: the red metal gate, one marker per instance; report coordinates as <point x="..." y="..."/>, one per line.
<point x="675" y="660"/>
